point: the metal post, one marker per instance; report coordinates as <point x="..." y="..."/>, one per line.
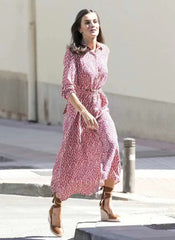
<point x="32" y="76"/>
<point x="129" y="165"/>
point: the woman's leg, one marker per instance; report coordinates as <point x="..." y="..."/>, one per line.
<point x="107" y="203"/>
<point x="56" y="216"/>
<point x="109" y="183"/>
<point x="110" y="159"/>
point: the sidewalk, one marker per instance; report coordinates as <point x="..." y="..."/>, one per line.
<point x="25" y="218"/>
<point x="28" y="152"/>
<point x="27" y="155"/>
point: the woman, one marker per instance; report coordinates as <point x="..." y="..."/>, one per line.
<point x="89" y="154"/>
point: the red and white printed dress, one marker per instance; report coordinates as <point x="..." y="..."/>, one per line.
<point x="87" y="157"/>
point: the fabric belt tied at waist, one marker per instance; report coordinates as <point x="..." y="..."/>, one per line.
<point x="89" y="89"/>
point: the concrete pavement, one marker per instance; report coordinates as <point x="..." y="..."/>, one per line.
<point x="27" y="155"/>
<point x="28" y="152"/>
<point x="25" y="218"/>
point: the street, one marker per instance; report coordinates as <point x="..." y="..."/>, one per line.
<point x="26" y="162"/>
<point x="24" y="217"/>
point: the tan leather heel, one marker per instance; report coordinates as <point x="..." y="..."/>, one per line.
<point x="57" y="230"/>
<point x="105" y="215"/>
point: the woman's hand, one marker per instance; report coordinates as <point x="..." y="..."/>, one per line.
<point x="89" y="120"/>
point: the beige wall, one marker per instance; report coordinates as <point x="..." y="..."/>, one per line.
<point x="13" y="28"/>
<point x="143" y="49"/>
<point x="141" y="82"/>
<point x="13" y="59"/>
<point x="139" y="34"/>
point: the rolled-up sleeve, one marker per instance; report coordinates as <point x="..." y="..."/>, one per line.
<point x="69" y="74"/>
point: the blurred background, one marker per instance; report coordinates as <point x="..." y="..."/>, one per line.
<point x="141" y="82"/>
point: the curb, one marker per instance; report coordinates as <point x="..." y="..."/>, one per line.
<point x="37" y="190"/>
<point x="26" y="189"/>
<point x="43" y="190"/>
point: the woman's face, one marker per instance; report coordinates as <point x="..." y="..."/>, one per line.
<point x="89" y="26"/>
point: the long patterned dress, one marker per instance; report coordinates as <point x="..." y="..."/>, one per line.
<point x="87" y="157"/>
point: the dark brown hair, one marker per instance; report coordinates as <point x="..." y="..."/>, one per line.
<point x="76" y="45"/>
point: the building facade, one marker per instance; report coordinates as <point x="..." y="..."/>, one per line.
<point x="140" y="87"/>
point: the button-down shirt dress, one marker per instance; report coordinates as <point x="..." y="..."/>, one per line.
<point x="86" y="157"/>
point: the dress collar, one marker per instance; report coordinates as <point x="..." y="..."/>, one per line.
<point x="98" y="46"/>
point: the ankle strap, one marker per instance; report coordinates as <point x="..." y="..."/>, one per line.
<point x="57" y="202"/>
<point x="107" y="193"/>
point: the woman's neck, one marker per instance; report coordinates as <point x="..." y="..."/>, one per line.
<point x="91" y="43"/>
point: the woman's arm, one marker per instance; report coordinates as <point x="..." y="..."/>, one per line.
<point x="69" y="93"/>
<point x="88" y="118"/>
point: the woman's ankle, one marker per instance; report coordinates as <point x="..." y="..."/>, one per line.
<point x="56" y="217"/>
<point x="57" y="195"/>
<point x="107" y="203"/>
